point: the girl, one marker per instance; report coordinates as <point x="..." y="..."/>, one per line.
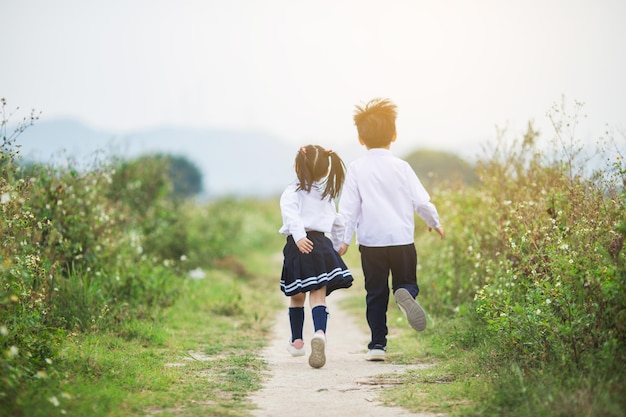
<point x="311" y="262"/>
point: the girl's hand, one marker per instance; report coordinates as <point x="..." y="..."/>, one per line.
<point x="343" y="249"/>
<point x="305" y="245"/>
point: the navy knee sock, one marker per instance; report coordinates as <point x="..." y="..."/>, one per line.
<point x="296" y="319"/>
<point x="320" y="318"/>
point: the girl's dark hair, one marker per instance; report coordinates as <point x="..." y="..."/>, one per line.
<point x="313" y="163"/>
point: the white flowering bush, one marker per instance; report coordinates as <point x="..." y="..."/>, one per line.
<point x="557" y="281"/>
<point x="76" y="256"/>
<point x="534" y="263"/>
<point x="27" y="342"/>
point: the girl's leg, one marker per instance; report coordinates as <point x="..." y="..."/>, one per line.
<point x="296" y="319"/>
<point x="317" y="301"/>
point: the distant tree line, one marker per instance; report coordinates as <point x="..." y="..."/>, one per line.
<point x="435" y="167"/>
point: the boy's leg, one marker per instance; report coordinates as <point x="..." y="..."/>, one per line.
<point x="403" y="265"/>
<point x="376" y="273"/>
<point x="404" y="284"/>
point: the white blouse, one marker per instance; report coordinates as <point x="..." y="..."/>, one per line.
<point x="306" y="211"/>
<point x="379" y="198"/>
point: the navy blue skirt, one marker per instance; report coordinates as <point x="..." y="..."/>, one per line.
<point x="323" y="267"/>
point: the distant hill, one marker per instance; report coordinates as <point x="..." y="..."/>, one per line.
<point x="238" y="163"/>
<point x="233" y="162"/>
<point x="434" y="167"/>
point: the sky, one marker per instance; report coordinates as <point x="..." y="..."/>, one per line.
<point x="295" y="69"/>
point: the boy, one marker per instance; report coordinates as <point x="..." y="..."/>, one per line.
<point x="380" y="196"/>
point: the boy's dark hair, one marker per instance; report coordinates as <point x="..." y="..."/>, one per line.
<point x="313" y="163"/>
<point x="376" y="122"/>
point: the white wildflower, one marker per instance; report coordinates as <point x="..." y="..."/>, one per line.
<point x="197" y="273"/>
<point x="13" y="351"/>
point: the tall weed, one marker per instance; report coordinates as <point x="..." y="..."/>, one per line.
<point x="535" y="252"/>
<point x="86" y="249"/>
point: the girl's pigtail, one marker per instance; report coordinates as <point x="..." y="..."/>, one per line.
<point x="336" y="175"/>
<point x="302" y="171"/>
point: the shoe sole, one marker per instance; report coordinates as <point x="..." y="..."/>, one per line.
<point x="318" y="354"/>
<point x="375" y="358"/>
<point x="415" y="314"/>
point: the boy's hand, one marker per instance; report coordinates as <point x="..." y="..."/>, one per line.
<point x="343" y="249"/>
<point x="305" y="245"/>
<point x="438" y="230"/>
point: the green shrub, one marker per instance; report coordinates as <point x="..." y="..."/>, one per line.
<point x="551" y="292"/>
<point x="535" y="253"/>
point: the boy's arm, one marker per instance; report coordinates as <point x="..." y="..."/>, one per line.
<point x="428" y="213"/>
<point x="422" y="205"/>
<point x="337" y="232"/>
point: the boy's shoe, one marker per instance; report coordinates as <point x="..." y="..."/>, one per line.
<point x="294" y="351"/>
<point x="318" y="351"/>
<point x="377" y="353"/>
<point x="415" y="314"/>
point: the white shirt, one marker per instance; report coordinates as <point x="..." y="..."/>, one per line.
<point x="306" y="211"/>
<point x="379" y="199"/>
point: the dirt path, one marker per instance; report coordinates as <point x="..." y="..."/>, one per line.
<point x="346" y="385"/>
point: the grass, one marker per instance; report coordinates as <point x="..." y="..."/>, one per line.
<point x="452" y="384"/>
<point x="468" y="377"/>
<point x="198" y="358"/>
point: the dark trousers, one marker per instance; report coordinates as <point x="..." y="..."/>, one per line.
<point x="377" y="262"/>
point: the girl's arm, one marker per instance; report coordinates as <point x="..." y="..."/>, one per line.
<point x="290" y="211"/>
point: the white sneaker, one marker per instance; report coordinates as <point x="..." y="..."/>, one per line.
<point x="318" y="351"/>
<point x="375" y="355"/>
<point x="415" y="314"/>
<point x="293" y="351"/>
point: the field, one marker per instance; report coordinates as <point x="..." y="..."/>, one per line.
<point x="119" y="298"/>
